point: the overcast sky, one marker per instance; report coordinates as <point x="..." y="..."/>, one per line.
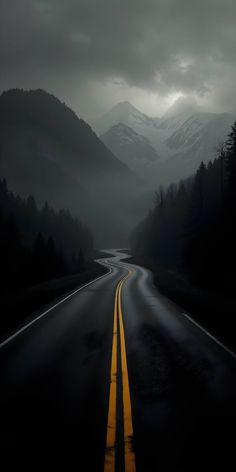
<point x="95" y="53"/>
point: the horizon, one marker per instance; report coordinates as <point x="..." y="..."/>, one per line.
<point x="177" y="98"/>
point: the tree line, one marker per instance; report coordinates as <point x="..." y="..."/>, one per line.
<point x="192" y="225"/>
<point x="38" y="244"/>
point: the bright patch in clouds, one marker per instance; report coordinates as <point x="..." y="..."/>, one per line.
<point x="172" y="97"/>
<point x="93" y="54"/>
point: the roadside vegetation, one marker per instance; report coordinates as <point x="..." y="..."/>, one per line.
<point x="188" y="240"/>
<point x="43" y="252"/>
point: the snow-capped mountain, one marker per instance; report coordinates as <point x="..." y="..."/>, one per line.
<point x="125" y="113"/>
<point x="130" y="116"/>
<point x="182" y="138"/>
<point x="200" y="128"/>
<point x="130" y="147"/>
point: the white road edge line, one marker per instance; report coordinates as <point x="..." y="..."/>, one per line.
<point x="217" y="341"/>
<point x="21" y="330"/>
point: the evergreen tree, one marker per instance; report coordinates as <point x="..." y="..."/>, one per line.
<point x="37" y="245"/>
<point x="231" y="164"/>
<point x="195" y="224"/>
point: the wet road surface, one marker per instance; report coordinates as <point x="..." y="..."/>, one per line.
<point x="117" y="378"/>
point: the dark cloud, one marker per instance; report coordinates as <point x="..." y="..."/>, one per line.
<point x="75" y="47"/>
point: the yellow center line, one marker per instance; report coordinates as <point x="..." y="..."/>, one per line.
<point x="111" y="425"/>
<point x="128" y="423"/>
<point x="129" y="458"/>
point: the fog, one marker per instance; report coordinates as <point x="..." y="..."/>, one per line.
<point x="92" y="55"/>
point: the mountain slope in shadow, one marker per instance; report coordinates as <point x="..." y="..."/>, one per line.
<point x="46" y="150"/>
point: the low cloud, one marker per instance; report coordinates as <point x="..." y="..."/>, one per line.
<point x="150" y="48"/>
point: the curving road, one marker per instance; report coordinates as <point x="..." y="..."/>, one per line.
<point x="116" y="378"/>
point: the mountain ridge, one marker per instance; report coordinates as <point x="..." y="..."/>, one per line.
<point x="47" y="151"/>
<point x="129" y="146"/>
<point x="185" y="133"/>
<point x="123" y="112"/>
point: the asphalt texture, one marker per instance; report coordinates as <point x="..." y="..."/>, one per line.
<point x="55" y="381"/>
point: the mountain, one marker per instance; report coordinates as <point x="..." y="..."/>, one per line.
<point x="187" y="129"/>
<point x="47" y="151"/>
<point x="130" y="147"/>
<point x="42" y="111"/>
<point x="196" y="140"/>
<point x="130" y="116"/>
<point x="124" y="113"/>
<point x="183" y="137"/>
<point x="201" y="131"/>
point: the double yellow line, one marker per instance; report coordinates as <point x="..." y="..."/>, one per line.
<point x="110" y="455"/>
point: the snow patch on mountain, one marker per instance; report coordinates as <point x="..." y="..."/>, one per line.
<point x="185" y="134"/>
<point x="130" y="147"/>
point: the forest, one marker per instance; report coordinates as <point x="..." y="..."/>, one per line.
<point x="38" y="244"/>
<point x="191" y="228"/>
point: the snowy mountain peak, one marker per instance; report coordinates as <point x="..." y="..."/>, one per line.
<point x="124" y="107"/>
<point x="123" y="112"/>
<point x="169" y="148"/>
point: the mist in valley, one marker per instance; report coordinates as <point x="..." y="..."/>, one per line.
<point x="96" y="119"/>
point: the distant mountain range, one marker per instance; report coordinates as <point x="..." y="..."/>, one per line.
<point x="47" y="151"/>
<point x="182" y="138"/>
<point x="124" y="113"/>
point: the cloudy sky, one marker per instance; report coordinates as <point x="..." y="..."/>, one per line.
<point x="95" y="53"/>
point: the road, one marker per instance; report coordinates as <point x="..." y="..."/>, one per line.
<point x="116" y="378"/>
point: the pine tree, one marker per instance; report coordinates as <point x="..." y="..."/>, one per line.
<point x="231" y="164"/>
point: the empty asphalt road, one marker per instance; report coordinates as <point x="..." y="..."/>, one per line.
<point x="116" y="378"/>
